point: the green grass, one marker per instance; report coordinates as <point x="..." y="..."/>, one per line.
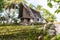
<point x="19" y="32"/>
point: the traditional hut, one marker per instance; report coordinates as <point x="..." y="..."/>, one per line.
<point x="28" y="15"/>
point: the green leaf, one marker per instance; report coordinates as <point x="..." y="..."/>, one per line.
<point x="59" y="7"/>
<point x="57" y="11"/>
<point x="50" y="4"/>
<point x="56" y="0"/>
<point x="31" y="5"/>
<point x="38" y="7"/>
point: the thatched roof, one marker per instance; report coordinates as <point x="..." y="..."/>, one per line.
<point x="36" y="12"/>
<point x="31" y="12"/>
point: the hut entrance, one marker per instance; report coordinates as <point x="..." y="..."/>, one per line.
<point x="25" y="21"/>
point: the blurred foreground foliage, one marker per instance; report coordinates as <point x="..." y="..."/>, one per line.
<point x="20" y="32"/>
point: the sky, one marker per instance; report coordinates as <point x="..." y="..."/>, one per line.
<point x="43" y="3"/>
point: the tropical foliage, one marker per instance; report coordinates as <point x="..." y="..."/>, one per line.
<point x="51" y="5"/>
<point x="18" y="32"/>
<point x="48" y="16"/>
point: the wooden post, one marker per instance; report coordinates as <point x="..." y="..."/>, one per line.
<point x="41" y="37"/>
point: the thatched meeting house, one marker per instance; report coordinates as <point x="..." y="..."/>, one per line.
<point x="28" y="15"/>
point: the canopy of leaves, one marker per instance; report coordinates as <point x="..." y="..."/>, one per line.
<point x="48" y="16"/>
<point x="56" y="0"/>
<point x="51" y="5"/>
<point x="58" y="10"/>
